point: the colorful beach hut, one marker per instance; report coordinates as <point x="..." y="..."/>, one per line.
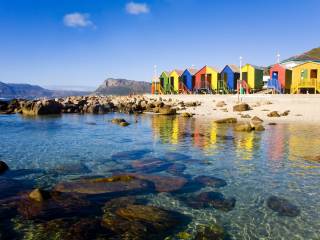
<point x="280" y="76"/>
<point x="164" y="81"/>
<point x="229" y="77"/>
<point x="206" y="79"/>
<point x="174" y="78"/>
<point x="306" y="78"/>
<point x="188" y="78"/>
<point x="253" y="75"/>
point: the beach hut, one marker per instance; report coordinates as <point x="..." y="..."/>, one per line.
<point x="229" y="77"/>
<point x="253" y="75"/>
<point x="174" y="78"/>
<point x="164" y="81"/>
<point x="280" y="76"/>
<point x="306" y="78"/>
<point x="206" y="79"/>
<point x="188" y="78"/>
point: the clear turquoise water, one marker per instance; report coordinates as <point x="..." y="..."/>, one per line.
<point x="255" y="165"/>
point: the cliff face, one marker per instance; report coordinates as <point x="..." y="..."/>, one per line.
<point x="113" y="86"/>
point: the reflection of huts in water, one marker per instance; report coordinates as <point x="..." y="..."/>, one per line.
<point x="245" y="145"/>
<point x="276" y="145"/>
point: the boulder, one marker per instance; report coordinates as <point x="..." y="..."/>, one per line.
<point x="221" y="104"/>
<point x="120" y="121"/>
<point x="282" y="206"/>
<point x="285" y="113"/>
<point x="39" y="195"/>
<point x="273" y="114"/>
<point x="212" y="232"/>
<point x="258" y="127"/>
<point x="256" y="119"/>
<point x="167" y="110"/>
<point x="186" y="114"/>
<point x="3" y="167"/>
<point x="241" y="107"/>
<point x="210" y="181"/>
<point x="226" y="120"/>
<point x="150" y="165"/>
<point x="43" y="107"/>
<point x="243" y="127"/>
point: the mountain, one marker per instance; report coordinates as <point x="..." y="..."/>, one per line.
<point x="17" y="90"/>
<point x="113" y="86"/>
<point x="312" y="55"/>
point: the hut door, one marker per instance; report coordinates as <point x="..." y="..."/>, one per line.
<point x="209" y="77"/>
<point x="314" y="74"/>
<point x="275" y="75"/>
<point x="245" y="76"/>
<point x="203" y="81"/>
<point x="171" y="81"/>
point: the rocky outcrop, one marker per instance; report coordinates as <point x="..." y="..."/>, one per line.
<point x="241" y="107"/>
<point x="43" y="107"/>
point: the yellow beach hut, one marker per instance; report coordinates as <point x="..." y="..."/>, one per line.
<point x="253" y="75"/>
<point x="174" y="78"/>
<point x="306" y="78"/>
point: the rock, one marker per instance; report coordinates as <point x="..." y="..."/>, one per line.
<point x="150" y="165"/>
<point x="282" y="206"/>
<point x="226" y="120"/>
<point x="243" y="127"/>
<point x="211" y="181"/>
<point x="221" y="104"/>
<point x="174" y="156"/>
<point x="176" y="168"/>
<point x="115" y="184"/>
<point x="124" y="124"/>
<point x="186" y="114"/>
<point x="212" y="199"/>
<point x="259" y="127"/>
<point x="163" y="183"/>
<point x="3" y="167"/>
<point x="130" y="155"/>
<point x="245" y="116"/>
<point x="285" y="113"/>
<point x="273" y="114"/>
<point x="256" y="119"/>
<point x="120" y="121"/>
<point x="71" y="168"/>
<point x="212" y="232"/>
<point x="134" y="221"/>
<point x="43" y="107"/>
<point x="167" y="110"/>
<point x="272" y="123"/>
<point x="241" y="107"/>
<point x="39" y="195"/>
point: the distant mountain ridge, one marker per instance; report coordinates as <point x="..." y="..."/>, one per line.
<point x="116" y="86"/>
<point x="312" y="55"/>
<point x="17" y="90"/>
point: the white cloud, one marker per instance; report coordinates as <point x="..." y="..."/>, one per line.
<point x="137" y="8"/>
<point x="77" y="20"/>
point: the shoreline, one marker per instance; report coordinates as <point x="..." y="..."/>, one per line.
<point x="303" y="108"/>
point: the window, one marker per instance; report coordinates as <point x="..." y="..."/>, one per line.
<point x="314" y="73"/>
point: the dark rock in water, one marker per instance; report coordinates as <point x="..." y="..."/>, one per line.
<point x="130" y="155"/>
<point x="163" y="183"/>
<point x="120" y="121"/>
<point x="212" y="199"/>
<point x="282" y="206"/>
<point x="176" y="168"/>
<point x="72" y="168"/>
<point x="11" y="187"/>
<point x="150" y="165"/>
<point x="212" y="232"/>
<point x="211" y="181"/>
<point x="3" y="167"/>
<point x="66" y="229"/>
<point x="39" y="195"/>
<point x="134" y="221"/>
<point x="172" y="156"/>
<point x="115" y="184"/>
<point x="241" y="107"/>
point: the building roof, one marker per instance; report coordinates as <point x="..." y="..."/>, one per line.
<point x="179" y="72"/>
<point x="193" y="71"/>
<point x="234" y="68"/>
<point x="257" y="67"/>
<point x="214" y="68"/>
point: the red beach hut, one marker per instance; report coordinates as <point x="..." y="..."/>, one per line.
<point x="283" y="75"/>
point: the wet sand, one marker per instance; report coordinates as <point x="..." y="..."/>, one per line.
<point x="303" y="108"/>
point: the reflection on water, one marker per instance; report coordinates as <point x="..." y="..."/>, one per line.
<point x="281" y="161"/>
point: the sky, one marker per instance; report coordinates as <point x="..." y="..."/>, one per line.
<point x="83" y="42"/>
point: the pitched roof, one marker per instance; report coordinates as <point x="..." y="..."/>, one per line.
<point x="193" y="71"/>
<point x="166" y="72"/>
<point x="257" y="67"/>
<point x="233" y="67"/>
<point x="179" y="72"/>
<point x="214" y="68"/>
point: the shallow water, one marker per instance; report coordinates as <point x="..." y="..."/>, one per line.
<point x="255" y="165"/>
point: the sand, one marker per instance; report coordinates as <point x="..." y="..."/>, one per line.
<point x="303" y="108"/>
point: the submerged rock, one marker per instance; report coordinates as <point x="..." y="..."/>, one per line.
<point x="212" y="232"/>
<point x="150" y="165"/>
<point x="212" y="199"/>
<point x="174" y="156"/>
<point x="3" y="167"/>
<point x="39" y="195"/>
<point x="130" y="155"/>
<point x="226" y="120"/>
<point x="176" y="168"/>
<point x="273" y="114"/>
<point x="72" y="168"/>
<point x="241" y="107"/>
<point x="134" y="221"/>
<point x="120" y="121"/>
<point x="211" y="181"/>
<point x="115" y="184"/>
<point x="243" y="127"/>
<point x="282" y="206"/>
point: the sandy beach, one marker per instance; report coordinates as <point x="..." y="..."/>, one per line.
<point x="303" y="108"/>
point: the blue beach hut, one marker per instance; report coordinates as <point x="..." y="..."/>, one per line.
<point x="187" y="78"/>
<point x="229" y="75"/>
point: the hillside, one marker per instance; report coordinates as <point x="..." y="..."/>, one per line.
<point x="312" y="55"/>
<point x="15" y="90"/>
<point x="113" y="86"/>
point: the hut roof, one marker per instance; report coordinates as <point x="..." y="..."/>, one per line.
<point x="234" y="68"/>
<point x="193" y="71"/>
<point x="179" y="72"/>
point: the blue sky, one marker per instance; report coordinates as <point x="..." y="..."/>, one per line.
<point x="82" y="42"/>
